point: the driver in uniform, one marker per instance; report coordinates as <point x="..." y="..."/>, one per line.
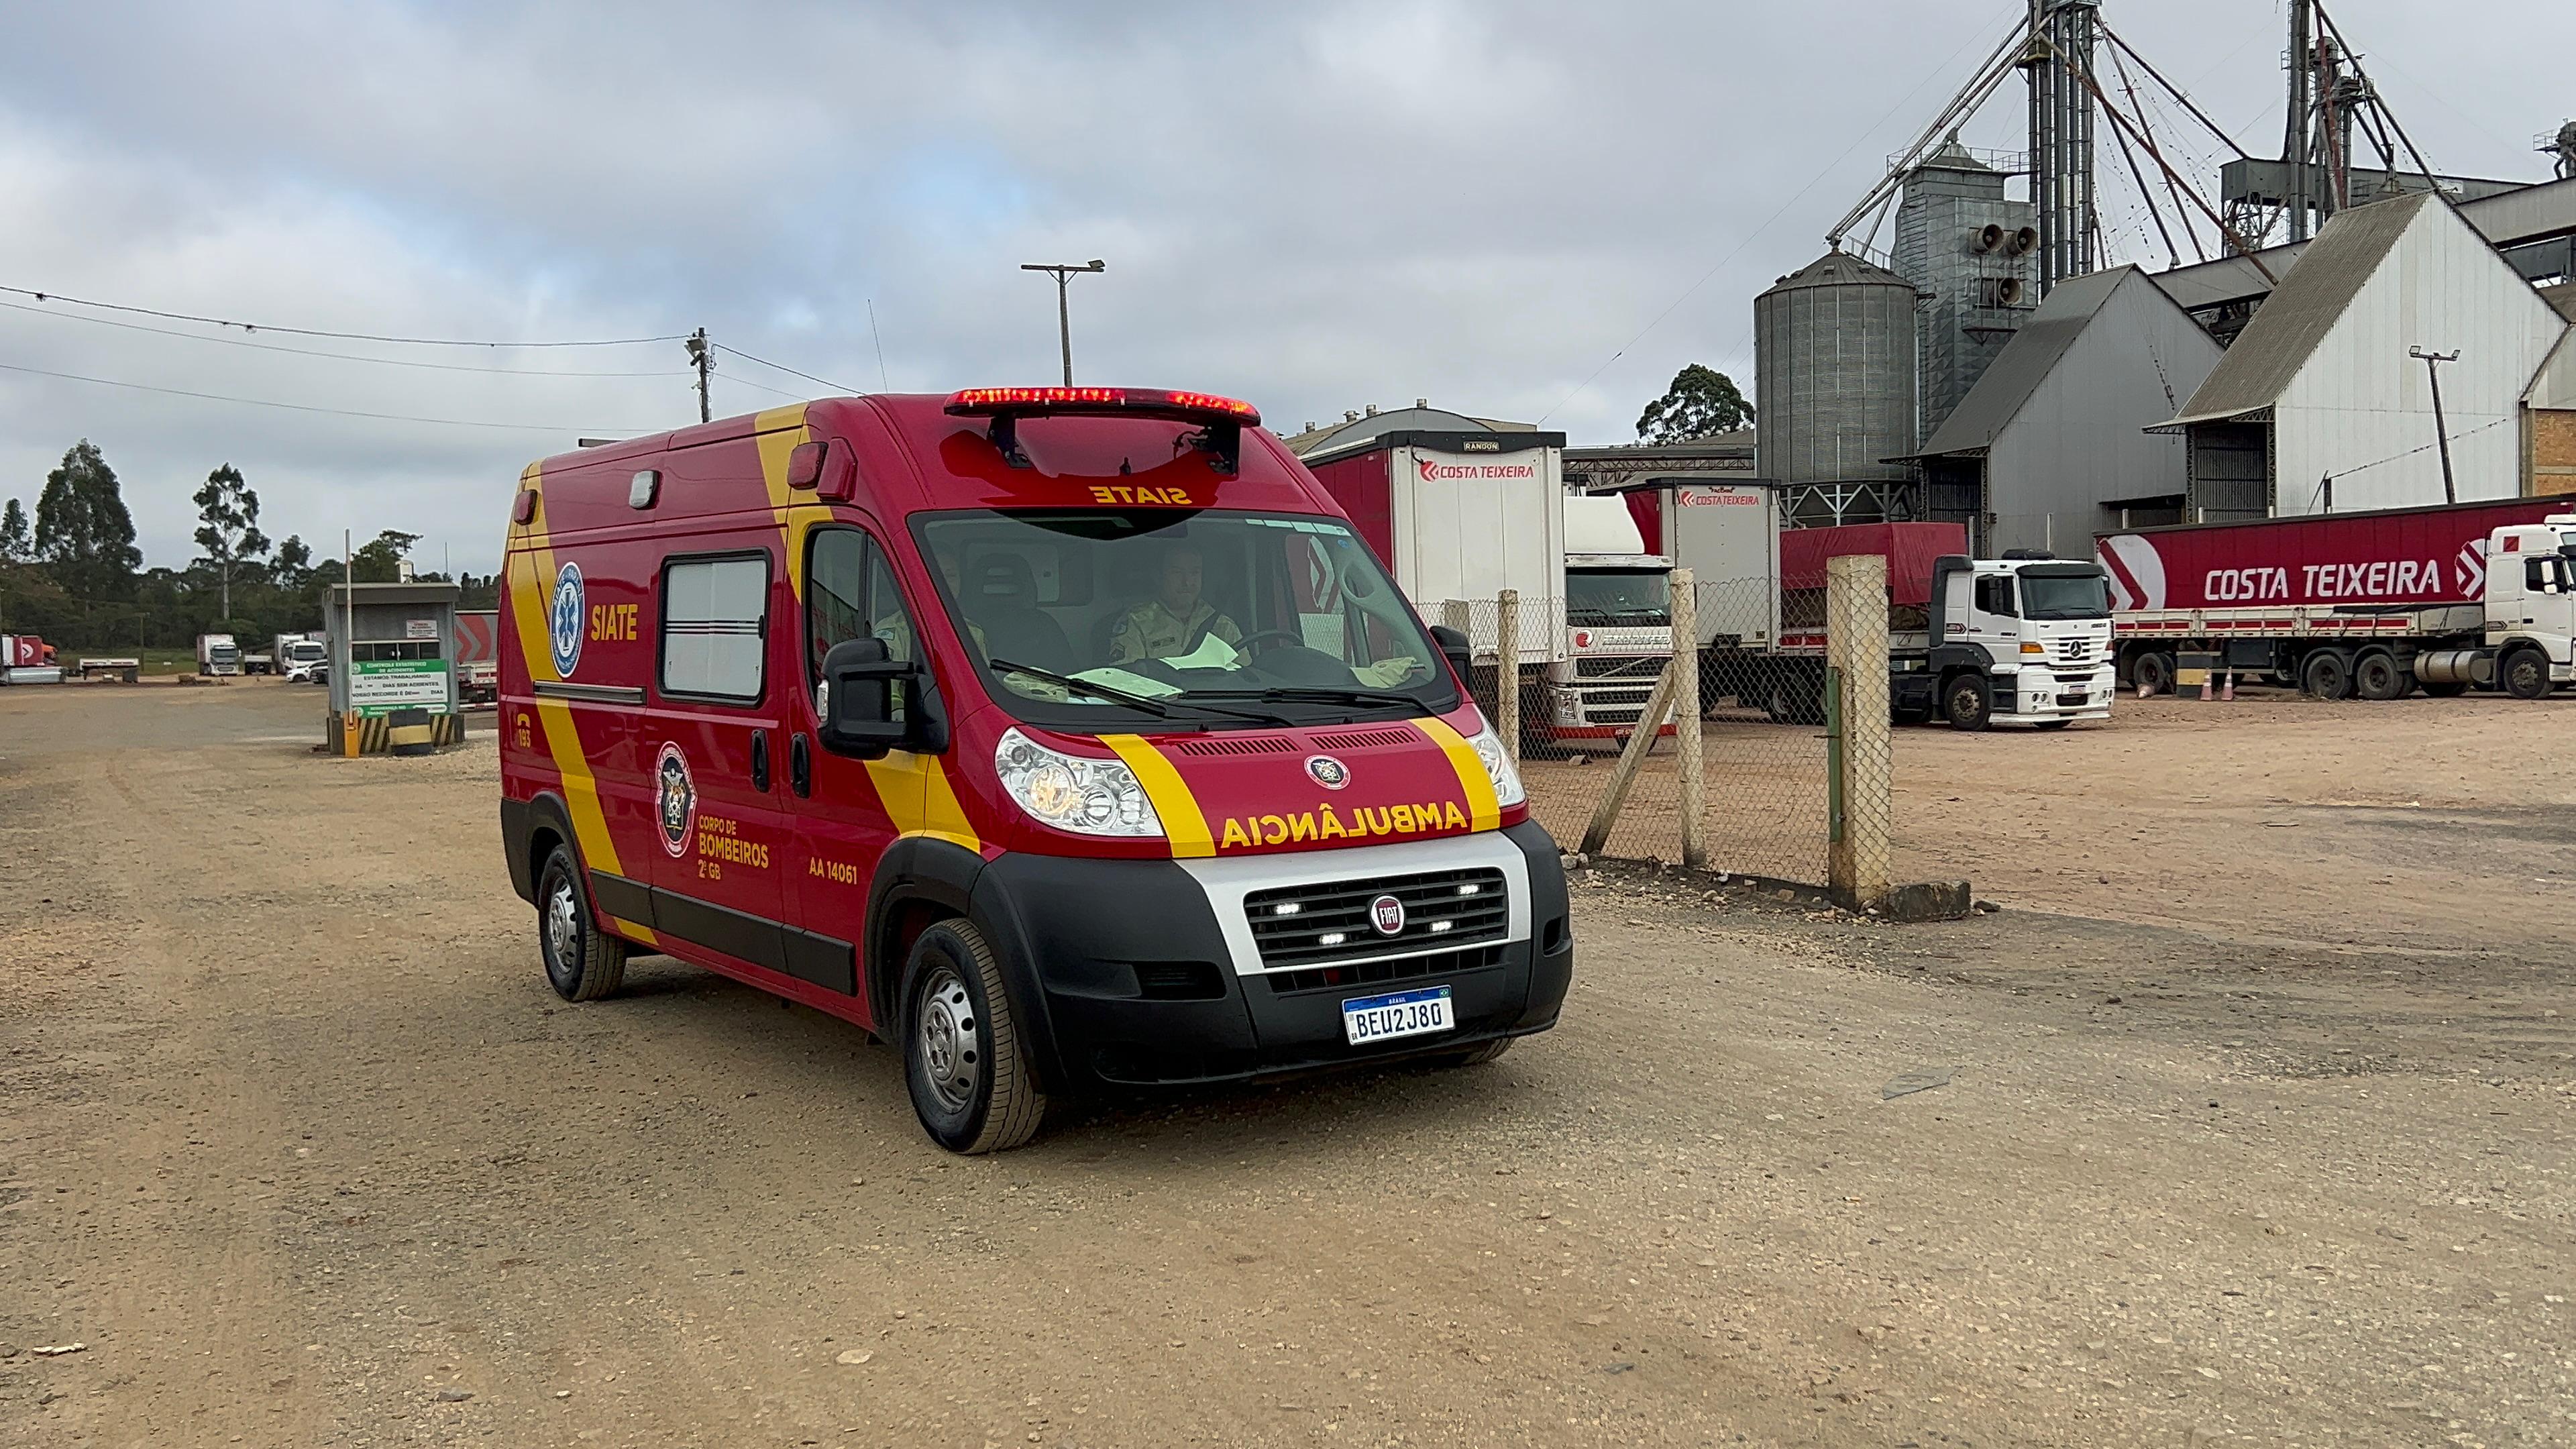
<point x="1166" y="624"/>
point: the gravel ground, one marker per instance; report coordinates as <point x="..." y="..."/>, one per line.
<point x="298" y="1147"/>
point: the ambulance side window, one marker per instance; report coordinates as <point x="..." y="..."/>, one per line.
<point x="850" y="593"/>
<point x="715" y="623"/>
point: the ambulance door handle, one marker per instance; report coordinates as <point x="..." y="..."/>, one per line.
<point x="760" y="760"/>
<point x="800" y="766"/>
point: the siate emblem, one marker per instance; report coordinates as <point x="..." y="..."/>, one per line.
<point x="676" y="795"/>
<point x="1387" y="914"/>
<point x="564" y="620"/>
<point x="1328" y="772"/>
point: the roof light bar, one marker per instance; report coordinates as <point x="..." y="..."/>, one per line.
<point x="1224" y="418"/>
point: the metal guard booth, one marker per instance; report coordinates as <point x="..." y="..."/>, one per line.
<point x="392" y="651"/>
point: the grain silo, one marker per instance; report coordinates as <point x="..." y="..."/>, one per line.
<point x="1834" y="372"/>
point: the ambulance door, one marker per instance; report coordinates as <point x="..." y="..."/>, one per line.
<point x="710" y="748"/>
<point x="847" y="811"/>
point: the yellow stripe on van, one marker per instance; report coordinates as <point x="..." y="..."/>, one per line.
<point x="532" y="589"/>
<point x="1183" y="823"/>
<point x="1482" y="811"/>
<point x="918" y="799"/>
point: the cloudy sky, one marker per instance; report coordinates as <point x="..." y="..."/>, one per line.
<point x="1518" y="210"/>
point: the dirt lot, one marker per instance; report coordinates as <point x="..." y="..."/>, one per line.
<point x="294" y="1140"/>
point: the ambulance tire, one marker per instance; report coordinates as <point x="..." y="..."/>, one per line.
<point x="1479" y="1054"/>
<point x="963" y="1060"/>
<point x="582" y="962"/>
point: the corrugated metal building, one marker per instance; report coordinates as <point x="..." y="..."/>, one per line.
<point x="2050" y="445"/>
<point x="2320" y="385"/>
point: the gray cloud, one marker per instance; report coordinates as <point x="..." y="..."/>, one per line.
<point x="1311" y="206"/>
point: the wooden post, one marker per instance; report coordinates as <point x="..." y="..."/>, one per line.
<point x="1507" y="671"/>
<point x="1686" y="717"/>
<point x="1857" y="862"/>
<point x="1605" y="815"/>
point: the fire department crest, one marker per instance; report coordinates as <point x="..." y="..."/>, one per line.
<point x="677" y="797"/>
<point x="1328" y="772"/>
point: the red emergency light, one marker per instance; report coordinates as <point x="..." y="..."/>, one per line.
<point x="1225" y="418"/>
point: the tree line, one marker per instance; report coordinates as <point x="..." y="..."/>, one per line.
<point x="72" y="574"/>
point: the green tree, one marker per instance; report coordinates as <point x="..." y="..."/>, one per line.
<point x="17" y="545"/>
<point x="1701" y="403"/>
<point x="380" y="561"/>
<point x="294" y="565"/>
<point x="83" y="530"/>
<point x="229" y="526"/>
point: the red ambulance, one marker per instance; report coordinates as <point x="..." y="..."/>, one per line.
<point x="1066" y="737"/>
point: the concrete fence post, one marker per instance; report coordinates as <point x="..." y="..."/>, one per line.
<point x="1686" y="718"/>
<point x="1862" y="741"/>
<point x="1507" y="671"/>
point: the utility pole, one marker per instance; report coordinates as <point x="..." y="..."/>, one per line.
<point x="2441" y="433"/>
<point x="1063" y="273"/>
<point x="702" y="356"/>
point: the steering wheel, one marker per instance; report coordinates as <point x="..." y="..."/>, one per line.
<point x="1290" y="636"/>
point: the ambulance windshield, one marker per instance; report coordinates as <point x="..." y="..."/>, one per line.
<point x="1099" y="618"/>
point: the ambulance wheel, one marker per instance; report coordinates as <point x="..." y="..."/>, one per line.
<point x="1966" y="703"/>
<point x="2378" y="677"/>
<point x="582" y="962"/>
<point x="969" y="1074"/>
<point x="2326" y="676"/>
<point x="2525" y="673"/>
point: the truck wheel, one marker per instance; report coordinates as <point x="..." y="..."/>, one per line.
<point x="2379" y="677"/>
<point x="582" y="962"/>
<point x="1964" y="700"/>
<point x="969" y="1073"/>
<point x="2326" y="676"/>
<point x="2525" y="673"/>
<point x="2452" y="690"/>
<point x="2153" y="672"/>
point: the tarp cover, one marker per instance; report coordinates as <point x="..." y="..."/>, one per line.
<point x="1909" y="549"/>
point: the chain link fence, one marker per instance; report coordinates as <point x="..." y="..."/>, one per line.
<point x="1582" y="686"/>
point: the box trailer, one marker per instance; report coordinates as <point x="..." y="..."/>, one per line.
<point x="26" y="659"/>
<point x="2374" y="604"/>
<point x="217" y="654"/>
<point x="478" y="656"/>
<point x="1618" y="621"/>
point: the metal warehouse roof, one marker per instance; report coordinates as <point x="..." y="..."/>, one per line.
<point x="2510" y="219"/>
<point x="2288" y="329"/>
<point x="2026" y="361"/>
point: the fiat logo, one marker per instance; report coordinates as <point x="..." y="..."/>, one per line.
<point x="1328" y="772"/>
<point x="1387" y="914"/>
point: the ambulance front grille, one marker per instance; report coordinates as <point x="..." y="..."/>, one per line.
<point x="1330" y="922"/>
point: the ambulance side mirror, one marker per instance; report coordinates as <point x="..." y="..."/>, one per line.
<point x="1453" y="647"/>
<point x="872" y="703"/>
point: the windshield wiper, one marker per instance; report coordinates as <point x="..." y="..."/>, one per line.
<point x="1310" y="693"/>
<point x="1158" y="708"/>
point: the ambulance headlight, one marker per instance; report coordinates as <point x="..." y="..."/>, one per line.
<point x="1087" y="797"/>
<point x="1498" y="766"/>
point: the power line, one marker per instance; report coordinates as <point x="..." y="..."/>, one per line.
<point x="792" y="372"/>
<point x="309" y="408"/>
<point x="764" y="387"/>
<point x="323" y="332"/>
<point x="316" y="352"/>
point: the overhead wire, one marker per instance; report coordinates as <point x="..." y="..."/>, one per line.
<point x="317" y="352"/>
<point x="310" y="408"/>
<point x="782" y="367"/>
<point x="325" y="332"/>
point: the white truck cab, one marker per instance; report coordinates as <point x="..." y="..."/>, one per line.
<point x="1618" y="621"/>
<point x="2024" y="639"/>
<point x="2530" y="614"/>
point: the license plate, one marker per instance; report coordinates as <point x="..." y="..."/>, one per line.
<point x="1400" y="1013"/>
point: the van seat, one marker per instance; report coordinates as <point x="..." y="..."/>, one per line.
<point x="1003" y="602"/>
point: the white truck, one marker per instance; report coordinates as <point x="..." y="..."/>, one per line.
<point x="1618" y="622"/>
<point x="217" y="654"/>
<point x="297" y="655"/>
<point x="1458" y="517"/>
<point x="2018" y="640"/>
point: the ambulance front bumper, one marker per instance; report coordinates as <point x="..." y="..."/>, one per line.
<point x="1148" y="972"/>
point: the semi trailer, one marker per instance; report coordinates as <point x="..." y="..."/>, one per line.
<point x="297" y="656"/>
<point x="217" y="654"/>
<point x="2374" y="605"/>
<point x="26" y="659"/>
<point x="1618" y="622"/>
